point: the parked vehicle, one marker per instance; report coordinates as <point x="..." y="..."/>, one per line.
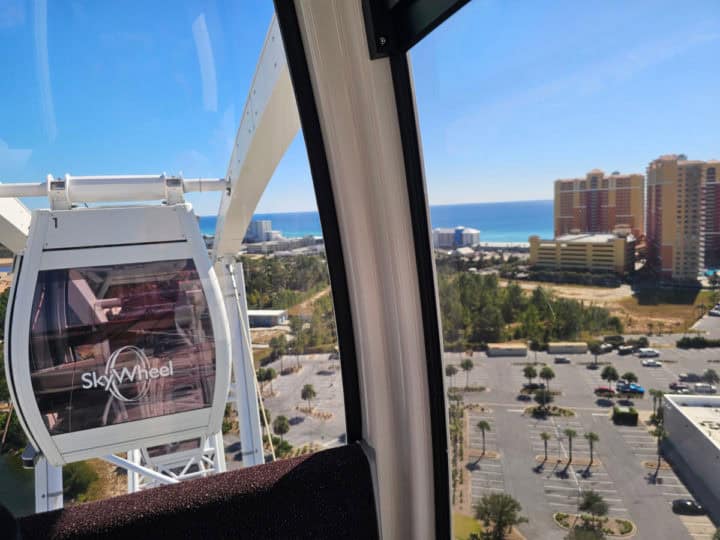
<point x="679" y="386"/>
<point x="629" y="388"/>
<point x="687" y="507"/>
<point x="626" y="349"/>
<point x="562" y="360"/>
<point x="604" y="391"/>
<point x="615" y="341"/>
<point x="605" y="348"/>
<point x="690" y="377"/>
<point x="534" y="386"/>
<point x="651" y="363"/>
<point x="715" y="312"/>
<point x="646" y="352"/>
<point x="705" y="388"/>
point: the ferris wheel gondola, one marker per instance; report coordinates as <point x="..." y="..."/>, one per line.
<point x="117" y="335"/>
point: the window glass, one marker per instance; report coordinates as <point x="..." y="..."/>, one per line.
<point x="142" y="89"/>
<point x="576" y="245"/>
<point x="115" y="344"/>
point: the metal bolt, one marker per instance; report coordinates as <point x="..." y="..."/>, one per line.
<point x="382" y="41"/>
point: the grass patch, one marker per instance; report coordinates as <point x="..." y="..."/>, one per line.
<point x="665" y="304"/>
<point x="542" y="412"/>
<point x="464" y="526"/>
<point x="261" y="357"/>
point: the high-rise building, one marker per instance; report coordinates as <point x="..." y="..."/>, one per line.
<point x="600" y="204"/>
<point x="683" y="227"/>
<point x="445" y="237"/>
<point x="259" y="230"/>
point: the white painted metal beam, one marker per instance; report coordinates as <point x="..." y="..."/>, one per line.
<point x="269" y="123"/>
<point x="14" y="224"/>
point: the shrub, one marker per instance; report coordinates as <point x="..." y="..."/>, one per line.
<point x="627" y="416"/>
<point x="697" y="342"/>
<point x="77" y="478"/>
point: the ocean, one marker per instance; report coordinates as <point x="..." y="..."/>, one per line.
<point x="497" y="222"/>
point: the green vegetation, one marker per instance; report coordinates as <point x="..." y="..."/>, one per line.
<point x="592" y="438"/>
<point x="451" y="371"/>
<point x="499" y="512"/>
<point x="547" y="374"/>
<point x="308" y="394"/>
<point x="265" y="375"/>
<point x="281" y="426"/>
<point x="529" y="373"/>
<point x="630" y="377"/>
<point x="467" y="366"/>
<point x="279" y="283"/>
<point x="545" y="436"/>
<point x="574" y="278"/>
<point x="77" y="478"/>
<point x="543" y="398"/>
<point x="609" y="374"/>
<point x="477" y="310"/>
<point x="570" y="434"/>
<point x="593" y="503"/>
<point x="483" y="426"/>
<point x="697" y="342"/>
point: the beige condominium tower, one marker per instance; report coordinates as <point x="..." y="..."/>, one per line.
<point x="600" y="203"/>
<point x="683" y="216"/>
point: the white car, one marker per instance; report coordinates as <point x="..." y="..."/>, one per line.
<point x="705" y="388"/>
<point x="651" y="363"/>
<point x="648" y="353"/>
<point x="715" y="312"/>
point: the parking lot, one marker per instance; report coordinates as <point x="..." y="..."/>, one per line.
<point x="631" y="490"/>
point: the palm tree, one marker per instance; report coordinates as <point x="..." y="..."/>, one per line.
<point x="308" y="394"/>
<point x="657" y="396"/>
<point x="483" y="426"/>
<point x="530" y="373"/>
<point x="450" y="371"/>
<point x="467" y="366"/>
<point x="570" y="434"/>
<point x="593" y="503"/>
<point x="591" y="438"/>
<point x="545" y="436"/>
<point x="711" y="377"/>
<point x="281" y="426"/>
<point x="499" y="512"/>
<point x="547" y="374"/>
<point x="609" y="374"/>
<point x="661" y="434"/>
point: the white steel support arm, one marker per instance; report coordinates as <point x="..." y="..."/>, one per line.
<point x="14" y="224"/>
<point x="269" y="123"/>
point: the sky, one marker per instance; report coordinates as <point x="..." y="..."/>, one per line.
<point x="510" y="95"/>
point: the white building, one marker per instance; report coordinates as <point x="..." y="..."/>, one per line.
<point x="263" y="318"/>
<point x="693" y="442"/>
<point x="446" y="238"/>
<point x="259" y="230"/>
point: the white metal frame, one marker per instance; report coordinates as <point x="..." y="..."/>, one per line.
<point x="80" y="445"/>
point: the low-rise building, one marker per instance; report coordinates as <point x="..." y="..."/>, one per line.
<point x="567" y="347"/>
<point x="264" y="318"/>
<point x="692" y="424"/>
<point x="584" y="253"/>
<point x="506" y="349"/>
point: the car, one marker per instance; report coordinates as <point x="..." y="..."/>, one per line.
<point x="690" y="377"/>
<point x="534" y="386"/>
<point x="705" y="388"/>
<point x="679" y="386"/>
<point x="626" y="349"/>
<point x="604" y="391"/>
<point x="562" y="360"/>
<point x="651" y="363"/>
<point x="684" y="391"/>
<point x="605" y="348"/>
<point x="687" y="507"/>
<point x="629" y="388"/>
<point x="647" y="352"/>
<point x="715" y="312"/>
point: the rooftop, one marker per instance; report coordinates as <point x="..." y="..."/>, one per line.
<point x="593" y="238"/>
<point x="266" y="312"/>
<point x="703" y="411"/>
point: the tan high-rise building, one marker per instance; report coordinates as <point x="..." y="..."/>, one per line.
<point x="600" y="204"/>
<point x="683" y="225"/>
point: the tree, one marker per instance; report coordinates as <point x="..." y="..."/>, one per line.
<point x="543" y="398"/>
<point x="547" y="374"/>
<point x="499" y="512"/>
<point x="710" y="376"/>
<point x="451" y="371"/>
<point x="595" y="350"/>
<point x="570" y="434"/>
<point x="483" y="426"/>
<point x="280" y="426"/>
<point x="530" y="373"/>
<point x="545" y="436"/>
<point x="660" y="434"/>
<point x="716" y="536"/>
<point x="629" y="376"/>
<point x="467" y="366"/>
<point x="593" y="503"/>
<point x="591" y="438"/>
<point x="278" y="348"/>
<point x="609" y="374"/>
<point x="308" y="394"/>
<point x="657" y="396"/>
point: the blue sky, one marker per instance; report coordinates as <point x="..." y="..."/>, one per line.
<point x="511" y="94"/>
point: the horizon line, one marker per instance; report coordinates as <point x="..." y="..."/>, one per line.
<point x="431" y="206"/>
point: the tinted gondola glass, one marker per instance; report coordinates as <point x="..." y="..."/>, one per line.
<point x="115" y="344"/>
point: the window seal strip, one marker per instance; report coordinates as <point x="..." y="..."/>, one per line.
<point x="320" y="171"/>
